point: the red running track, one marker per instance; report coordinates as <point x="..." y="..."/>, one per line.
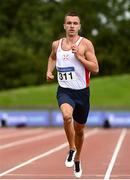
<point x="39" y="153"/>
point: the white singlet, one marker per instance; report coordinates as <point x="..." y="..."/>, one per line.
<point x="71" y="73"/>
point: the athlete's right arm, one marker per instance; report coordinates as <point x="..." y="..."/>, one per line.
<point x="51" y="62"/>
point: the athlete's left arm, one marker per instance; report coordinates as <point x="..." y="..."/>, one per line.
<point x="89" y="59"/>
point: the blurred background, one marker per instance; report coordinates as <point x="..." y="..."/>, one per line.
<point x="27" y="30"/>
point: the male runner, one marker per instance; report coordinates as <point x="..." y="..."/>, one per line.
<point x="74" y="58"/>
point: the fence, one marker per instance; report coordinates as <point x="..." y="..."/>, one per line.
<point x="54" y="118"/>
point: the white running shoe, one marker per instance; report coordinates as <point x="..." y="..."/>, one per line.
<point x="69" y="162"/>
<point x="77" y="169"/>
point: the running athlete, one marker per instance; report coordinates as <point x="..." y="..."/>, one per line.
<point x="74" y="59"/>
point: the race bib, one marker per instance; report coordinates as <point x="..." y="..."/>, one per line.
<point x="66" y="74"/>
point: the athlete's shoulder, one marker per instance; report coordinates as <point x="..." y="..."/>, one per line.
<point x="55" y="43"/>
<point x="88" y="44"/>
<point x="86" y="41"/>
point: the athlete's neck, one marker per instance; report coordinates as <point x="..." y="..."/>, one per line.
<point x="72" y="39"/>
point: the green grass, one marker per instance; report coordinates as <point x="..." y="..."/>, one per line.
<point x="30" y="97"/>
<point x="111" y="92"/>
<point x="106" y="93"/>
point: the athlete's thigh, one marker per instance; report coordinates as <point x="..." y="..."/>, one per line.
<point x="65" y="100"/>
<point x="80" y="113"/>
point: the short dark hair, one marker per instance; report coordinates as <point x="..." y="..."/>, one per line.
<point x="71" y="13"/>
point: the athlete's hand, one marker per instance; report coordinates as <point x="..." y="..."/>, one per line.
<point x="49" y="76"/>
<point x="75" y="50"/>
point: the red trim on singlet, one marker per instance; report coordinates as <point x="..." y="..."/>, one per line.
<point x="87" y="74"/>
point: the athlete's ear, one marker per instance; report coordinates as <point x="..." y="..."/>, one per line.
<point x="64" y="26"/>
<point x="79" y="27"/>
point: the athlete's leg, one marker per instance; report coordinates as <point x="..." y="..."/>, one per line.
<point x="67" y="111"/>
<point x="79" y="138"/>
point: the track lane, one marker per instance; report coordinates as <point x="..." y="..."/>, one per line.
<point x="121" y="169"/>
<point x="17" y="154"/>
<point x="59" y="141"/>
<point x="20" y="134"/>
<point x="99" y="150"/>
<point x="97" y="153"/>
<point x="115" y="154"/>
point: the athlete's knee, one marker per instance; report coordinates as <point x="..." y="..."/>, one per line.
<point x="67" y="117"/>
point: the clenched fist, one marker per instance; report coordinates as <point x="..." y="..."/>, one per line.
<point x="49" y="76"/>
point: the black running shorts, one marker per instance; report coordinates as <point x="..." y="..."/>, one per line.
<point x="78" y="99"/>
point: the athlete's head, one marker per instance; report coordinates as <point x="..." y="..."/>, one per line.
<point x="72" y="23"/>
<point x="72" y="14"/>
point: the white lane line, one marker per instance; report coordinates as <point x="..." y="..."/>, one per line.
<point x="52" y="175"/>
<point x="51" y="151"/>
<point x="115" y="154"/>
<point x="16" y="134"/>
<point x="65" y="175"/>
<point x="65" y="179"/>
<point x="31" y="139"/>
<point x="60" y="179"/>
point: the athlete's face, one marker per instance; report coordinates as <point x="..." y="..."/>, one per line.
<point x="72" y="25"/>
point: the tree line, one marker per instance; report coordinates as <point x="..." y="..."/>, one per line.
<point x="28" y="27"/>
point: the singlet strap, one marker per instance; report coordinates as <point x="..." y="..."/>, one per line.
<point x="79" y="40"/>
<point x="59" y="45"/>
